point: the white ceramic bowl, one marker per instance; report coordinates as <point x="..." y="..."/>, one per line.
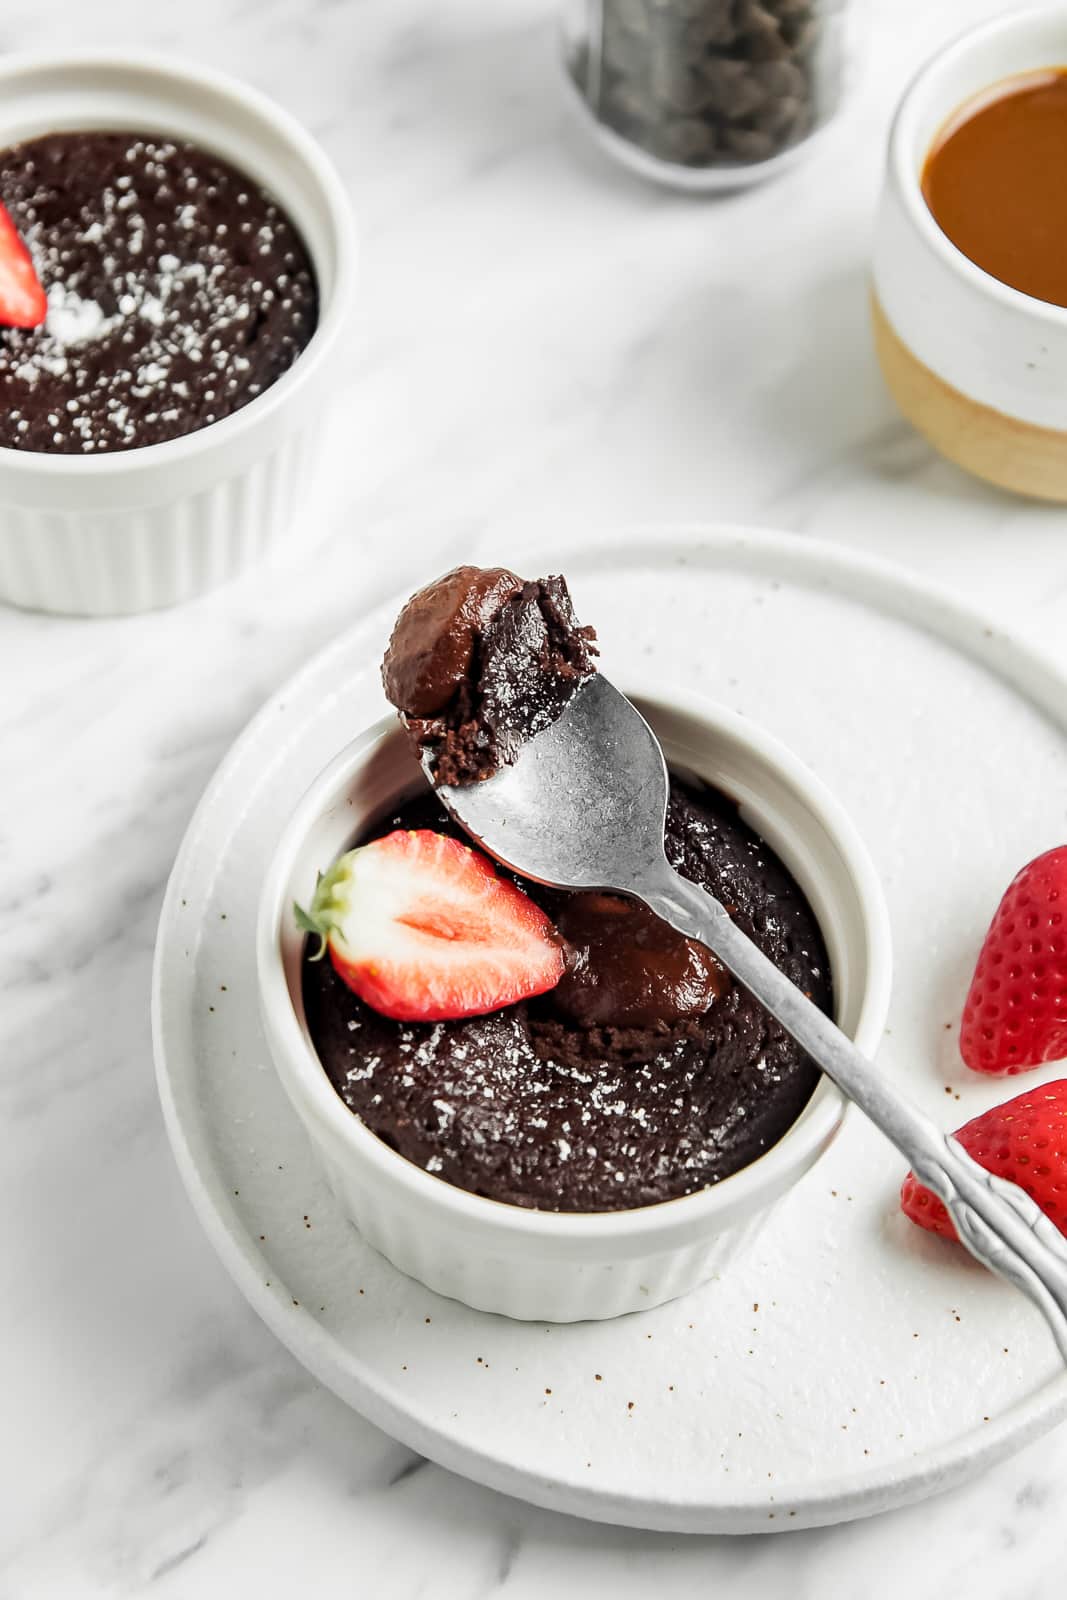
<point x="980" y="368"/>
<point x="129" y="531"/>
<point x="546" y="1265"/>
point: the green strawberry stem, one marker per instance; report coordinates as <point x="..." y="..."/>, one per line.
<point x="329" y="904"/>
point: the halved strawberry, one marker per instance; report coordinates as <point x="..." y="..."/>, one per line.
<point x="422" y="928"/>
<point x="1016" y="1011"/>
<point x="23" y="303"/>
<point x="1025" y="1140"/>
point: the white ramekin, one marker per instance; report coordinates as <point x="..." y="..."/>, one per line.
<point x="546" y="1265"/>
<point x="980" y="368"/>
<point x="130" y="531"/>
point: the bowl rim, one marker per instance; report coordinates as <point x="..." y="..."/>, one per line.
<point x="908" y="183"/>
<point x="303" y="1075"/>
<point x="229" y="92"/>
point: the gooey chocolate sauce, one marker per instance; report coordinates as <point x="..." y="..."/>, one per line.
<point x="628" y="969"/>
<point x="995" y="181"/>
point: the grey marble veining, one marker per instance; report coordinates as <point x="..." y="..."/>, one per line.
<point x="542" y="343"/>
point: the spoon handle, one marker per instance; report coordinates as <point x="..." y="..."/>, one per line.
<point x="999" y="1224"/>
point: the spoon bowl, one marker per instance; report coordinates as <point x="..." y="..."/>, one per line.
<point x="583" y="806"/>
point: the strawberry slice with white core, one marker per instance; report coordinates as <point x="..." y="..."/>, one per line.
<point x="23" y="303"/>
<point x="423" y="928"/>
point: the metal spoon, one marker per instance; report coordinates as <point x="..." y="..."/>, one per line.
<point x="583" y="807"/>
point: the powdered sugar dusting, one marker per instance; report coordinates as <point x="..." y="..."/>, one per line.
<point x="71" y="320"/>
<point x="526" y="1107"/>
<point x="177" y="291"/>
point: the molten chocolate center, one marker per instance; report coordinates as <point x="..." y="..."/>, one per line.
<point x="627" y="969"/>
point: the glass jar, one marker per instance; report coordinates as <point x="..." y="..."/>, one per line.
<point x="707" y="94"/>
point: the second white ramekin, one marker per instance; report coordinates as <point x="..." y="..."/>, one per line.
<point x="138" y="529"/>
<point x="546" y="1265"/>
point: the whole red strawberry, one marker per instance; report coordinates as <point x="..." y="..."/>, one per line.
<point x="1016" y="1011"/>
<point x="1024" y="1140"/>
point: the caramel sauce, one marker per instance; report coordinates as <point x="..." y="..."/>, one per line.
<point x="995" y="180"/>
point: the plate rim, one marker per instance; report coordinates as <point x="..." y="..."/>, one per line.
<point x="888" y="588"/>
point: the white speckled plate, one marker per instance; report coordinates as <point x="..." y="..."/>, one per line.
<point x="849" y="1362"/>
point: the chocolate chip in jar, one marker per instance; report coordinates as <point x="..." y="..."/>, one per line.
<point x="709" y="84"/>
<point x="736" y="90"/>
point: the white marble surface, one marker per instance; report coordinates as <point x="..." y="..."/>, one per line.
<point x="541" y="341"/>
